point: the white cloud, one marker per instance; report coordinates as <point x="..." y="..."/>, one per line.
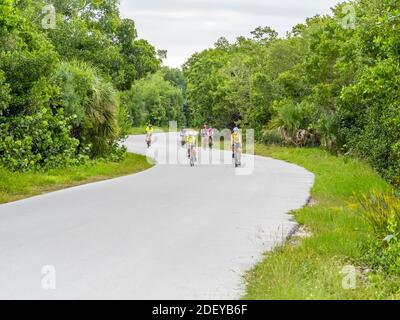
<point x="185" y="26"/>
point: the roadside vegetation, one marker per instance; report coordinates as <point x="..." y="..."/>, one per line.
<point x="16" y="185"/>
<point x="335" y="233"/>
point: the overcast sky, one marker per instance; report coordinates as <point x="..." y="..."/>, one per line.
<point x="184" y="27"/>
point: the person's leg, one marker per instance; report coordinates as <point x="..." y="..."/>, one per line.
<point x="236" y="155"/>
<point x="148" y="140"/>
<point x="193" y="153"/>
<point x="239" y="151"/>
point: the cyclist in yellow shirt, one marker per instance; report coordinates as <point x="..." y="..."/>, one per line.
<point x="237" y="144"/>
<point x="149" y="135"/>
<point x="191" y="142"/>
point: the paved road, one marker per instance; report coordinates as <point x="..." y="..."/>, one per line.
<point x="172" y="232"/>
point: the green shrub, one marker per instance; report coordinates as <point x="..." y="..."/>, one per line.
<point x="91" y="102"/>
<point x="4" y="94"/>
<point x="382" y="212"/>
<point x="39" y="141"/>
<point x="294" y="116"/>
<point x="271" y="136"/>
<point x="384" y="258"/>
<point x="368" y="118"/>
<point x="124" y="121"/>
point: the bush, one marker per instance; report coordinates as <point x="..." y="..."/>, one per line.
<point x="92" y="103"/>
<point x="394" y="165"/>
<point x="271" y="137"/>
<point x="124" y="121"/>
<point x="40" y="141"/>
<point x="382" y="212"/>
<point x="4" y="94"/>
<point x="384" y="258"/>
<point x="368" y="118"/>
<point x="294" y="116"/>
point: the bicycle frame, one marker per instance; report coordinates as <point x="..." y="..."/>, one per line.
<point x="192" y="154"/>
<point x="237" y="155"/>
<point x="149" y="139"/>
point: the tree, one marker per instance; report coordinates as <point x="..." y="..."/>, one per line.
<point x="93" y="31"/>
<point x="154" y="100"/>
<point x="264" y="34"/>
<point x="27" y="60"/>
<point x="91" y="102"/>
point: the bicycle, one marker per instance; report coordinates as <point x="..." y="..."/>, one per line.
<point x="148" y="140"/>
<point x="192" y="155"/>
<point x="237" y="156"/>
<point x="204" y="142"/>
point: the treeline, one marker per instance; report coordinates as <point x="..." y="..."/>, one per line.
<point x="65" y="91"/>
<point x="333" y="81"/>
<point x="158" y="99"/>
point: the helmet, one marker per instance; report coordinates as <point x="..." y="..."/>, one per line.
<point x="236" y="129"/>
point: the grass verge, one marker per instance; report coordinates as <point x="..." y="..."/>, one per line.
<point x="311" y="268"/>
<point x="15" y="185"/>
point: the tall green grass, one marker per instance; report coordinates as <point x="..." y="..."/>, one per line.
<point x="311" y="268"/>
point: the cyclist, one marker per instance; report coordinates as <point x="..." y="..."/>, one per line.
<point x="210" y="135"/>
<point x="149" y="134"/>
<point x="236" y="142"/>
<point x="182" y="136"/>
<point x="191" y="141"/>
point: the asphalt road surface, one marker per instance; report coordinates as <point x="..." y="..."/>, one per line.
<point x="171" y="232"/>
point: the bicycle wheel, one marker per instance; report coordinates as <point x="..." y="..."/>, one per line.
<point x="192" y="157"/>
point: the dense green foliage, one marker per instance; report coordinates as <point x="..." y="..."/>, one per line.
<point x="93" y="31"/>
<point x="154" y="100"/>
<point x="92" y="103"/>
<point x="329" y="82"/>
<point x="382" y="213"/>
<point x="38" y="141"/>
<point x="65" y="91"/>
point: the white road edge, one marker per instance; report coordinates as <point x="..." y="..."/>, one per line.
<point x="171" y="232"/>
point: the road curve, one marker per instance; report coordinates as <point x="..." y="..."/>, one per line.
<point x="171" y="232"/>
